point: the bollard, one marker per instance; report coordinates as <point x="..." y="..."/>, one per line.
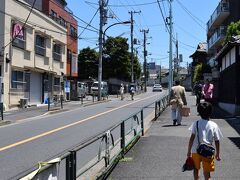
<point x="48" y="103"/>
<point x="155" y="111"/>
<point x="123" y="138"/>
<point x="61" y="100"/>
<point x="1" y="108"/>
<point x="142" y="123"/>
<point x="71" y="166"/>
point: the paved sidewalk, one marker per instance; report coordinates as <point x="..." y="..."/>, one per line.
<point x="161" y="153"/>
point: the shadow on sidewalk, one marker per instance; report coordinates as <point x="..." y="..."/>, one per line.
<point x="232" y="120"/>
<point x="219" y="113"/>
<point x="236" y="141"/>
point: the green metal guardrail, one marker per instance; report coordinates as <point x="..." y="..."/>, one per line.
<point x="113" y="143"/>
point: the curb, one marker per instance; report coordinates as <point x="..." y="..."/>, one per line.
<point x="3" y="122"/>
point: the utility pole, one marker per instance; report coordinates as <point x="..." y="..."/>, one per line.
<point x="103" y="19"/>
<point x="132" y="74"/>
<point x="170" y="47"/>
<point x="177" y="58"/>
<point x="145" y="59"/>
<point x="160" y="74"/>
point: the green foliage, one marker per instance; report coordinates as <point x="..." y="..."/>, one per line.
<point x="199" y="70"/>
<point x="136" y="68"/>
<point x="88" y="64"/>
<point x="197" y="73"/>
<point x="116" y="61"/>
<point x="232" y="30"/>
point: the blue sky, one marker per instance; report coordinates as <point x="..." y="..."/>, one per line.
<point x="189" y="24"/>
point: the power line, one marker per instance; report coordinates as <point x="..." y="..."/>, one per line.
<point x="88" y="23"/>
<point x="75" y="16"/>
<point x="195" y="19"/>
<point x="188" y="32"/>
<point x="34" y="24"/>
<point x="65" y="20"/>
<point x="164" y="20"/>
<point x="124" y="5"/>
<point x="22" y="26"/>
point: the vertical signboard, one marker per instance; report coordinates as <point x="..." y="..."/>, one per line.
<point x="74" y="68"/>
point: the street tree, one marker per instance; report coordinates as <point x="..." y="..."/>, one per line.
<point x="87" y="64"/>
<point x="117" y="60"/>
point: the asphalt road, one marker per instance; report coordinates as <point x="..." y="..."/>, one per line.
<point x="26" y="142"/>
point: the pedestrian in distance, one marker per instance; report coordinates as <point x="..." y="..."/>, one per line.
<point x="121" y="91"/>
<point x="177" y="100"/>
<point x="204" y="131"/>
<point x="207" y="91"/>
<point x="132" y="92"/>
<point x="198" y="92"/>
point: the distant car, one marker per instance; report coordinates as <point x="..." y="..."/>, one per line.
<point x="157" y="87"/>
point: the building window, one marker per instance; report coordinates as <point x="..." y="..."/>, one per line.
<point x="56" y="85"/>
<point x="73" y="32"/>
<point x="69" y="56"/>
<point x="57" y="52"/>
<point x="62" y="21"/>
<point x="18" y="35"/>
<point x="18" y="81"/>
<point x="40" y="45"/>
<point x="53" y="15"/>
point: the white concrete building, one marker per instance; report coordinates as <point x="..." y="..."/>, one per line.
<point x="33" y="54"/>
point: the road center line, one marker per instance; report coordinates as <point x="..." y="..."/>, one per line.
<point x="67" y="126"/>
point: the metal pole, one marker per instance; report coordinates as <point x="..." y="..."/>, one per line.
<point x="122" y="134"/>
<point x="170" y="48"/>
<point x="132" y="80"/>
<point x="142" y="123"/>
<point x="100" y="50"/>
<point x="71" y="165"/>
<point x="145" y="60"/>
<point x="145" y="63"/>
<point x="132" y="57"/>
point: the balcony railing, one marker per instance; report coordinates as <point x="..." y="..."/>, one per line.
<point x="19" y="43"/>
<point x="40" y="50"/>
<point x="217" y="37"/>
<point x="57" y="56"/>
<point x="220" y="13"/>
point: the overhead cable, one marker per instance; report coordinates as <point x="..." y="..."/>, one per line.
<point x="195" y="19"/>
<point x="75" y="16"/>
<point x="124" y="5"/>
<point x="22" y="26"/>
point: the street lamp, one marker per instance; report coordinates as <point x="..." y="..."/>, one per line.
<point x="104" y="33"/>
<point x="101" y="40"/>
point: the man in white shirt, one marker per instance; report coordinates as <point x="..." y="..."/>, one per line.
<point x="208" y="132"/>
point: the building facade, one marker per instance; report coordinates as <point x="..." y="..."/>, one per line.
<point x="58" y="11"/>
<point x="33" y="56"/>
<point x="229" y="82"/>
<point x="226" y="12"/>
